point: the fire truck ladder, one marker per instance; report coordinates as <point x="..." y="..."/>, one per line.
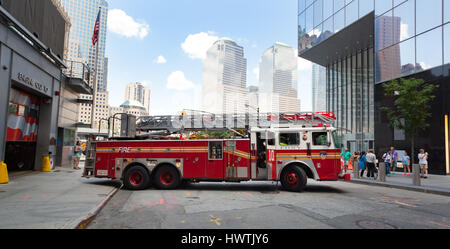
<point x="233" y="122"/>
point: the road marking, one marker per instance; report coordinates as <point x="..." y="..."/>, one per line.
<point x="215" y="220"/>
<point x="404" y="204"/>
<point x="439" y="224"/>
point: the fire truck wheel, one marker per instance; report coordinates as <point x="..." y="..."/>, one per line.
<point x="136" y="178"/>
<point x="294" y="179"/>
<point x="166" y="177"/>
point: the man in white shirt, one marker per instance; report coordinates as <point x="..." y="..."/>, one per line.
<point x="371" y="160"/>
<point x="423" y="162"/>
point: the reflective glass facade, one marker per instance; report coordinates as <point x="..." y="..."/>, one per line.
<point x="350" y="91"/>
<point x="411" y="39"/>
<point x="409" y="34"/>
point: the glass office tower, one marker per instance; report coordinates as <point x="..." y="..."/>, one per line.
<point x="83" y="14"/>
<point x="364" y="43"/>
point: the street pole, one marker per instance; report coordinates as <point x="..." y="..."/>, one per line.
<point x="416" y="175"/>
<point x="355" y="169"/>
<point x="382" y="172"/>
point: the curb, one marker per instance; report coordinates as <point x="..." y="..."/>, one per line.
<point x="95" y="211"/>
<point x="410" y="188"/>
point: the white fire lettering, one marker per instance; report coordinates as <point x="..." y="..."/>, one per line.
<point x="124" y="150"/>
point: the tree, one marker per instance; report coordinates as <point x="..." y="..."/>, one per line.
<point x="412" y="104"/>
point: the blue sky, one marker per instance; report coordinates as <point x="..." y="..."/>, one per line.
<point x="140" y="31"/>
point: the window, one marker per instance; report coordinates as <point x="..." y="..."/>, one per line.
<point x="320" y="138"/>
<point x="287" y="139"/>
<point x="270" y="137"/>
<point x="215" y="151"/>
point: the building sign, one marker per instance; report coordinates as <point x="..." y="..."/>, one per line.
<point x="31" y="76"/>
<point x="32" y="83"/>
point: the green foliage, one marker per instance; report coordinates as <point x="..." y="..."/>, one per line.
<point x="412" y="104"/>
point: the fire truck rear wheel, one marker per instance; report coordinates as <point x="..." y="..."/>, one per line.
<point x="136" y="178"/>
<point x="294" y="179"/>
<point x="166" y="177"/>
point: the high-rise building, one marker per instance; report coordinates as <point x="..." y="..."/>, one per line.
<point x="319" y="88"/>
<point x="225" y="78"/>
<point x="366" y="43"/>
<point x="138" y="92"/>
<point x="83" y="15"/>
<point x="278" y="80"/>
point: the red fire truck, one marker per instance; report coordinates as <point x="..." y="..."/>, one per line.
<point x="287" y="148"/>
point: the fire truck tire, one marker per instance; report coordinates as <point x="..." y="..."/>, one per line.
<point x="166" y="177"/>
<point x="294" y="179"/>
<point x="136" y="178"/>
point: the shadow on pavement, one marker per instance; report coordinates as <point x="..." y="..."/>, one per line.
<point x="263" y="188"/>
<point x="102" y="182"/>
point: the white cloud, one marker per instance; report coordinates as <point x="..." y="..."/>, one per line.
<point x="424" y="65"/>
<point x="161" y="60"/>
<point x="178" y="81"/>
<point x="122" y="24"/>
<point x="196" y="45"/>
<point x="404" y="31"/>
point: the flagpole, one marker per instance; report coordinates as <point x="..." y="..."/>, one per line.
<point x="94" y="97"/>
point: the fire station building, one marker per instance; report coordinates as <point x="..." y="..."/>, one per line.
<point x="32" y="80"/>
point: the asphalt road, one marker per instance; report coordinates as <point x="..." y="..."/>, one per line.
<point x="258" y="205"/>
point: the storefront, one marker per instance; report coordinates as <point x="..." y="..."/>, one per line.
<point x="30" y="77"/>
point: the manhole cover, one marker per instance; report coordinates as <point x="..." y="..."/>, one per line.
<point x="1" y="191"/>
<point x="193" y="197"/>
<point x="56" y="171"/>
<point x="370" y="224"/>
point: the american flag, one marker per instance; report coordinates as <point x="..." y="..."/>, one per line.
<point x="96" y="30"/>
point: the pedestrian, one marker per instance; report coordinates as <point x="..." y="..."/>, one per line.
<point x="345" y="157"/>
<point x="423" y="161"/>
<point x="362" y="163"/>
<point x="394" y="159"/>
<point x="354" y="160"/>
<point x="371" y="160"/>
<point x="406" y="163"/>
<point x="387" y="157"/>
<point x="77" y="155"/>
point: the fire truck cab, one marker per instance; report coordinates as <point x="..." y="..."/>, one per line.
<point x="289" y="153"/>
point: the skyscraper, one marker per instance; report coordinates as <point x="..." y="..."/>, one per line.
<point x="278" y="80"/>
<point x="138" y="92"/>
<point x="319" y="88"/>
<point x="225" y="78"/>
<point x="83" y="14"/>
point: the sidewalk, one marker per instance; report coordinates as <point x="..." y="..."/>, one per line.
<point x="435" y="184"/>
<point x="57" y="200"/>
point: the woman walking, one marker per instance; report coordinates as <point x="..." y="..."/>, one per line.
<point x="77" y="155"/>
<point x="362" y="163"/>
